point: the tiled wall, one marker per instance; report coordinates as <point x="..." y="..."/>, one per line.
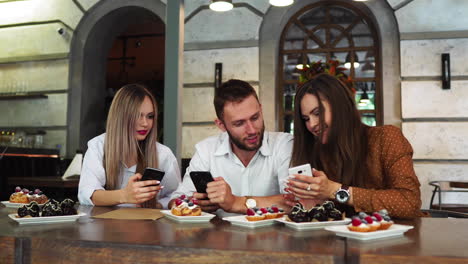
<point x="435" y="121"/>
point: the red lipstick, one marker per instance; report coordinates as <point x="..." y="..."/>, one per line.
<point x="142" y="132"/>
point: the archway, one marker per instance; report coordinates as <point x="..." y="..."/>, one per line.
<point x="270" y="32"/>
<point x="90" y="46"/>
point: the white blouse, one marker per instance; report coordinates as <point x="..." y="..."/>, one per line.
<point x="93" y="175"/>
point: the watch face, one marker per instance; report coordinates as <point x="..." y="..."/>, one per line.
<point x="342" y="196"/>
<point x="251" y="203"/>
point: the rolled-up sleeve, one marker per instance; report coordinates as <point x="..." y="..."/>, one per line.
<point x="93" y="175"/>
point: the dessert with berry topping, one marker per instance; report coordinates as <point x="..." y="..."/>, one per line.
<point x="358" y="225"/>
<point x="37" y="196"/>
<point x="183" y="206"/>
<point x="378" y="221"/>
<point x="386" y="221"/>
<point x="255" y="214"/>
<point x="19" y="196"/>
<point x="373" y="225"/>
<point x="26" y="196"/>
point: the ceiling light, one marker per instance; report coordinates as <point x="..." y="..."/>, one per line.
<point x="281" y="2"/>
<point x="221" y="5"/>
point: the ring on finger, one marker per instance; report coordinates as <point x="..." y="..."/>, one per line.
<point x="308" y="187"/>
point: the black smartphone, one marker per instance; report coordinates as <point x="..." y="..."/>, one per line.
<point x="201" y="179"/>
<point x="152" y="174"/>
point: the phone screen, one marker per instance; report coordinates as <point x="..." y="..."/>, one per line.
<point x="152" y="174"/>
<point x="201" y="179"/>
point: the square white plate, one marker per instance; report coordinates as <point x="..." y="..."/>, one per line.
<point x="240" y="220"/>
<point x="45" y="219"/>
<point x="312" y="225"/>
<point x="394" y="231"/>
<point x="204" y="217"/>
<point x="14" y="205"/>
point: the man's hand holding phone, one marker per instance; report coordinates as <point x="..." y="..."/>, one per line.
<point x="201" y="179"/>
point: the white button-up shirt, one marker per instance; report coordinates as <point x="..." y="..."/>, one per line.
<point x="93" y="175"/>
<point x="263" y="176"/>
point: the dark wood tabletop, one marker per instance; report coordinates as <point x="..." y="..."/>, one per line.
<point x="91" y="240"/>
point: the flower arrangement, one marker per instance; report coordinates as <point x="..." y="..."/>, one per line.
<point x="332" y="68"/>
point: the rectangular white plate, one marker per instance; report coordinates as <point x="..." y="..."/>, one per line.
<point x="204" y="217"/>
<point x="393" y="231"/>
<point x="312" y="225"/>
<point x="14" y="205"/>
<point x="45" y="219"/>
<point x="240" y="220"/>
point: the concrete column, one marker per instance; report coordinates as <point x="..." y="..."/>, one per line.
<point x="173" y="76"/>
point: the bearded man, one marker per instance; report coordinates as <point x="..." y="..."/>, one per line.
<point x="249" y="165"/>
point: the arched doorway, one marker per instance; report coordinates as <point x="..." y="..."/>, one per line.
<point x="324" y="31"/>
<point x="383" y="17"/>
<point x="91" y="43"/>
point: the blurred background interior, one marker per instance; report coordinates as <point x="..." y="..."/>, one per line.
<point x="61" y="62"/>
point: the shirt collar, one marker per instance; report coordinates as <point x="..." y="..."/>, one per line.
<point x="225" y="146"/>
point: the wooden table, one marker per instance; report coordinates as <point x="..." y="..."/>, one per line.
<point x="89" y="240"/>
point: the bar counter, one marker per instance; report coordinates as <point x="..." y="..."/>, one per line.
<point x="91" y="240"/>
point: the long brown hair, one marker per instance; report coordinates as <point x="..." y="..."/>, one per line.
<point x="343" y="156"/>
<point x="120" y="143"/>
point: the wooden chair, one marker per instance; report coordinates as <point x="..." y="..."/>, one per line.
<point x="447" y="187"/>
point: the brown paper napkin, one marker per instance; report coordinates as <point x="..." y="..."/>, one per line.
<point x="132" y="214"/>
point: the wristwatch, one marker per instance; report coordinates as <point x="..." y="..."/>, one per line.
<point x="250" y="202"/>
<point x="342" y="195"/>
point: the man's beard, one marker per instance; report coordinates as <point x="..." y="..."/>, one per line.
<point x="241" y="145"/>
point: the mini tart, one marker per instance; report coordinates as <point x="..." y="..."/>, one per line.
<point x="186" y="211"/>
<point x="196" y="211"/>
<point x="384" y="225"/>
<point x="19" y="197"/>
<point x="271" y="215"/>
<point x="359" y="228"/>
<point x="255" y="217"/>
<point x="374" y="226"/>
<point x="176" y="211"/>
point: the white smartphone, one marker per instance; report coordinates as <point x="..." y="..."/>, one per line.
<point x="304" y="169"/>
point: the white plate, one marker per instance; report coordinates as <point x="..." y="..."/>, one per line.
<point x="45" y="219"/>
<point x="393" y="231"/>
<point x="312" y="225"/>
<point x="240" y="220"/>
<point x="204" y="217"/>
<point x="15" y="205"/>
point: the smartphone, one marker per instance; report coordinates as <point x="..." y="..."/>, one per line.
<point x="304" y="169"/>
<point x="152" y="174"/>
<point x="201" y="179"/>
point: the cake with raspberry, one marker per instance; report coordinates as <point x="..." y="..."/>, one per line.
<point x="19" y="196"/>
<point x="366" y="223"/>
<point x="358" y="225"/>
<point x="255" y="214"/>
<point x="25" y="196"/>
<point x="386" y="221"/>
<point x="184" y="206"/>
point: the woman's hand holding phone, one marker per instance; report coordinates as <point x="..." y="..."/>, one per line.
<point x="137" y="191"/>
<point x="318" y="187"/>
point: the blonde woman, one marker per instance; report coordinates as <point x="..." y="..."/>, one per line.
<point x="115" y="160"/>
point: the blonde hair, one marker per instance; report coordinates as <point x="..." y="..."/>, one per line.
<point x="120" y="143"/>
